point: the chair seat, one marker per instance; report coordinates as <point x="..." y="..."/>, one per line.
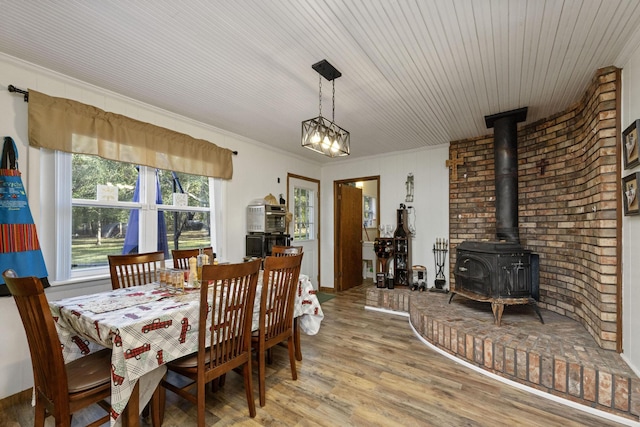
<point x="186" y="362"/>
<point x="89" y="371"/>
<point x="189" y="361"/>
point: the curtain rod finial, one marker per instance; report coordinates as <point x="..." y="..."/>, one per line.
<point x="12" y="88"/>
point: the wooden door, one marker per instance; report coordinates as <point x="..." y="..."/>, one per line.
<point x="349" y="237"/>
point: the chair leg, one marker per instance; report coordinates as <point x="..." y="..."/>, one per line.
<point x="40" y="415"/>
<point x="296" y="339"/>
<point x="201" y="388"/>
<point x="217" y="383"/>
<point x="162" y="400"/>
<point x="156" y="406"/>
<point x="146" y="411"/>
<point x="261" y="375"/>
<point x="248" y="385"/>
<point x="292" y="358"/>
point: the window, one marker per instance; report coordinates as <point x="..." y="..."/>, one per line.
<point x="185" y="201"/>
<point x="100" y="190"/>
<point x="303" y="215"/>
<point x="116" y="207"/>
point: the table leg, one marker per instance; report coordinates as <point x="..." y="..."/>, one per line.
<point x="296" y="339"/>
<point x="131" y="414"/>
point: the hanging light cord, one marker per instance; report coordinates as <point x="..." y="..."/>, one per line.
<point x="333" y="102"/>
<point x="320" y="94"/>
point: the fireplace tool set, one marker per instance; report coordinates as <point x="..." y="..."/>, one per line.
<point x="440" y="249"/>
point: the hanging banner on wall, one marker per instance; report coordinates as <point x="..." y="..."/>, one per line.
<point x="19" y="245"/>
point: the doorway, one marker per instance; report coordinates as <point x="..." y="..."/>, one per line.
<point x="303" y="195"/>
<point x="355" y="222"/>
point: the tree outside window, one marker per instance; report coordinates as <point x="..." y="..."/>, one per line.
<point x="99" y="226"/>
<point x="303" y="214"/>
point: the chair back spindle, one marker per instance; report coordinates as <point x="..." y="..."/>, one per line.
<point x="135" y="269"/>
<point x="181" y="256"/>
<point x="278" y="250"/>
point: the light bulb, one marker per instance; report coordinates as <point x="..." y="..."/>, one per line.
<point x="326" y="143"/>
<point x="335" y="146"/>
<point x="315" y="138"/>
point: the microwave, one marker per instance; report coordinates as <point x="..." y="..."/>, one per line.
<point x="266" y="219"/>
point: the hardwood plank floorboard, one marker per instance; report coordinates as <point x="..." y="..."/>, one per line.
<point x="364" y="368"/>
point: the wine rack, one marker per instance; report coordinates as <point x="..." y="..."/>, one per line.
<point x="402" y="250"/>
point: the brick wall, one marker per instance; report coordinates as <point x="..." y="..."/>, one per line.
<point x="568" y="215"/>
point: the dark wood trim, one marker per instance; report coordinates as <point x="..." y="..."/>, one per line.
<point x="619" y="208"/>
<point x="337" y="284"/>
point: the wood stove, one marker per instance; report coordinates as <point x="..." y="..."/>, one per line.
<point x="501" y="272"/>
<point x="494" y="269"/>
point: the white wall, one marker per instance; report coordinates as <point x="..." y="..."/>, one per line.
<point x="256" y="172"/>
<point x="431" y="200"/>
<point x="631" y="227"/>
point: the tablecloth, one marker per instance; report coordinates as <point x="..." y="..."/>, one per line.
<point x="146" y="327"/>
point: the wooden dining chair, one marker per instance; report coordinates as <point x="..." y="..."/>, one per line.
<point x="224" y="333"/>
<point x="181" y="256"/>
<point x="279" y="284"/>
<point x="135" y="269"/>
<point x="59" y="389"/>
<point x="278" y="250"/>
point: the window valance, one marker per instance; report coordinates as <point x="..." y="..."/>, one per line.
<point x="71" y="126"/>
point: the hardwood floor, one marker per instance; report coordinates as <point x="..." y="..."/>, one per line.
<point x="364" y="368"/>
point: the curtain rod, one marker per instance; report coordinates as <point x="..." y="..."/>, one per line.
<point x="13" y="89"/>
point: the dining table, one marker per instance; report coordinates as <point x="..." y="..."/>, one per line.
<point x="146" y="327"/>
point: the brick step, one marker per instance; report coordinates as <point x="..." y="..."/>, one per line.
<point x="557" y="357"/>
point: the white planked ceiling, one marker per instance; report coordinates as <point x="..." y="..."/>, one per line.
<point x="415" y="73"/>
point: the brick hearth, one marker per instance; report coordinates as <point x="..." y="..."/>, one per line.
<point x="558" y="357"/>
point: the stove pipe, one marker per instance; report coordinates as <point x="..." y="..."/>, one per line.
<point x="505" y="150"/>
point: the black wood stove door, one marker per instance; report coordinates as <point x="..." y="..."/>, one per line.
<point x="494" y="275"/>
<point x="473" y="273"/>
<point x="515" y="276"/>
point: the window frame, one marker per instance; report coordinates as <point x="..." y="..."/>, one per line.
<point x="310" y="213"/>
<point x="58" y="163"/>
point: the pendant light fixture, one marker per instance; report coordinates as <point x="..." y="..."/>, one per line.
<point x="321" y="134"/>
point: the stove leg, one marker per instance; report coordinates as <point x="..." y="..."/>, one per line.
<point x="497" y="309"/>
<point x="536" y="308"/>
<point x="451" y="297"/>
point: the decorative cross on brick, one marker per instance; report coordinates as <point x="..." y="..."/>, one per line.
<point x="542" y="164"/>
<point x="454" y="162"/>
